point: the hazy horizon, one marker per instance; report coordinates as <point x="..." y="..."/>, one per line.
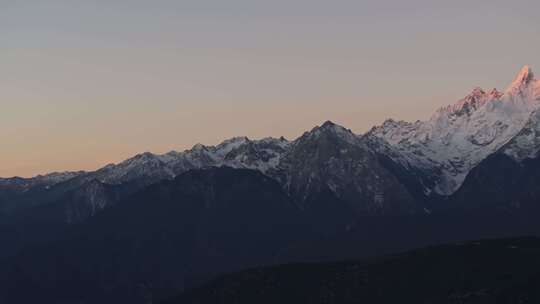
<point x="87" y="84"/>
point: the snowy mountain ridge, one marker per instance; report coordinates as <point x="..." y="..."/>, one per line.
<point x="50" y="179"/>
<point x="237" y="152"/>
<point x="457" y="137"/>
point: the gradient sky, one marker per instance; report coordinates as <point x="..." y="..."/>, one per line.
<point x="86" y="83"/>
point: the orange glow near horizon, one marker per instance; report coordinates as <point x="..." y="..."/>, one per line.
<point x="164" y="75"/>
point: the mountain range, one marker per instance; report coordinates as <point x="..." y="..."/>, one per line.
<point x="154" y="224"/>
<point x="437" y="153"/>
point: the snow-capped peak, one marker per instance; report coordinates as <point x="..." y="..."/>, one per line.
<point x="199" y="147"/>
<point x="470" y="103"/>
<point x="230" y="144"/>
<point x="523" y="78"/>
<point x="329" y="127"/>
<point x="525" y="87"/>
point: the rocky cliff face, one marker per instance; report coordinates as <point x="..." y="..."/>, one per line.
<point x="332" y="158"/>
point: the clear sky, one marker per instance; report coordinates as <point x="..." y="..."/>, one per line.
<point x="86" y="83"/>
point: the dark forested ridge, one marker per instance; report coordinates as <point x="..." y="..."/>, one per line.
<point x="490" y="271"/>
<point x="202" y="222"/>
